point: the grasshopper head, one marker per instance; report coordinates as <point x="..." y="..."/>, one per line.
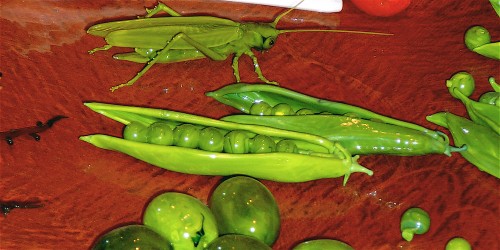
<point x="260" y="36"/>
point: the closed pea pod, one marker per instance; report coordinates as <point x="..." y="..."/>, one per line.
<point x="317" y="157"/>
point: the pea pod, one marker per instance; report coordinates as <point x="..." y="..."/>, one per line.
<point x="310" y="163"/>
<point x="492" y="97"/>
<point x="483" y="147"/>
<point x="481" y="113"/>
<point x="358" y="136"/>
<point x="242" y="96"/>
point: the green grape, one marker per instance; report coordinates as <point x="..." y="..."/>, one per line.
<point x="132" y="237"/>
<point x="323" y="244"/>
<point x="182" y="219"/>
<point x="243" y="205"/>
<point x="237" y="242"/>
<point x="135" y="131"/>
<point x="160" y="133"/>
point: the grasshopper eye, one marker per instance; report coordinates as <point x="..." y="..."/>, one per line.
<point x="268" y="43"/>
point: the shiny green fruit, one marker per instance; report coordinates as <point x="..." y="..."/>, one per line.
<point x="237" y="242"/>
<point x="323" y="244"/>
<point x="132" y="237"/>
<point x="182" y="219"/>
<point x="243" y="205"/>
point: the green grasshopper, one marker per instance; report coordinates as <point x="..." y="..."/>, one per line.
<point x="178" y="38"/>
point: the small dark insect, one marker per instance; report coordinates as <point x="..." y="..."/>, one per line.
<point x="33" y="131"/>
<point x="7" y="206"/>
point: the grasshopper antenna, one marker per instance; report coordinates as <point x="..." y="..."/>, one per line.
<point x="273" y="24"/>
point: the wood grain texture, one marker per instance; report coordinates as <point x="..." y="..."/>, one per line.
<point x="46" y="71"/>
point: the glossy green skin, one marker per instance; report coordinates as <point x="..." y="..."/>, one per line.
<point x="481" y="113"/>
<point x="186" y="136"/>
<point x="358" y="136"/>
<point x="181" y="219"/>
<point x="463" y="81"/>
<point x="132" y="237"/>
<point x="262" y="144"/>
<point x="236" y="142"/>
<point x="160" y="133"/>
<point x="136" y="131"/>
<point x="458" y="244"/>
<point x="318" y="157"/>
<point x="483" y="149"/>
<point x="211" y="139"/>
<point x="242" y="96"/>
<point x="414" y="221"/>
<point x="478" y="39"/>
<point x="243" y="205"/>
<point x="492" y="98"/>
<point x="476" y="36"/>
<point x="323" y="244"/>
<point x="239" y="242"/>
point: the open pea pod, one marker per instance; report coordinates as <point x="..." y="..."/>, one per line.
<point x="242" y="96"/>
<point x="490" y="50"/>
<point x="483" y="145"/>
<point x="358" y="136"/>
<point x="314" y="158"/>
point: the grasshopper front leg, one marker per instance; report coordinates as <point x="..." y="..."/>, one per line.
<point x="210" y="53"/>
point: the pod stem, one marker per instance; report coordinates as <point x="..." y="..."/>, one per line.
<point x="355" y="168"/>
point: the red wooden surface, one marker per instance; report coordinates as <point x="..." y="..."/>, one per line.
<point x="86" y="191"/>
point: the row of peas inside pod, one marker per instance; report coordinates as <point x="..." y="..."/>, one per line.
<point x="242" y="214"/>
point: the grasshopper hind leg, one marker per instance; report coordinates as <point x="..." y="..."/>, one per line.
<point x="159" y="8"/>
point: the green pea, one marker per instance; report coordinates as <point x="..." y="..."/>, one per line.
<point x="260" y="108"/>
<point x="236" y="142"/>
<point x="305" y="111"/>
<point x="477" y="36"/>
<point x="211" y="139"/>
<point x="160" y="133"/>
<point x="282" y="109"/>
<point x="414" y="221"/>
<point x="262" y="144"/>
<point x="492" y="98"/>
<point x="135" y="131"/>
<point x="286" y="146"/>
<point x="458" y="244"/>
<point x="187" y="136"/>
<point x="463" y="81"/>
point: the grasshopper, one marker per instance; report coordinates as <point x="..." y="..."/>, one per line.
<point x="177" y="38"/>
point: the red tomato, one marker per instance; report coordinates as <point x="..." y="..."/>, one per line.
<point x="382" y="7"/>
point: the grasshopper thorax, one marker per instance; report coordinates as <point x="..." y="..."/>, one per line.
<point x="260" y="36"/>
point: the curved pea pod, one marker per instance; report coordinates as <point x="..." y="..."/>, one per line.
<point x="316" y="158"/>
<point x="358" y="136"/>
<point x="242" y="96"/>
<point x="481" y="113"/>
<point x="483" y="145"/>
